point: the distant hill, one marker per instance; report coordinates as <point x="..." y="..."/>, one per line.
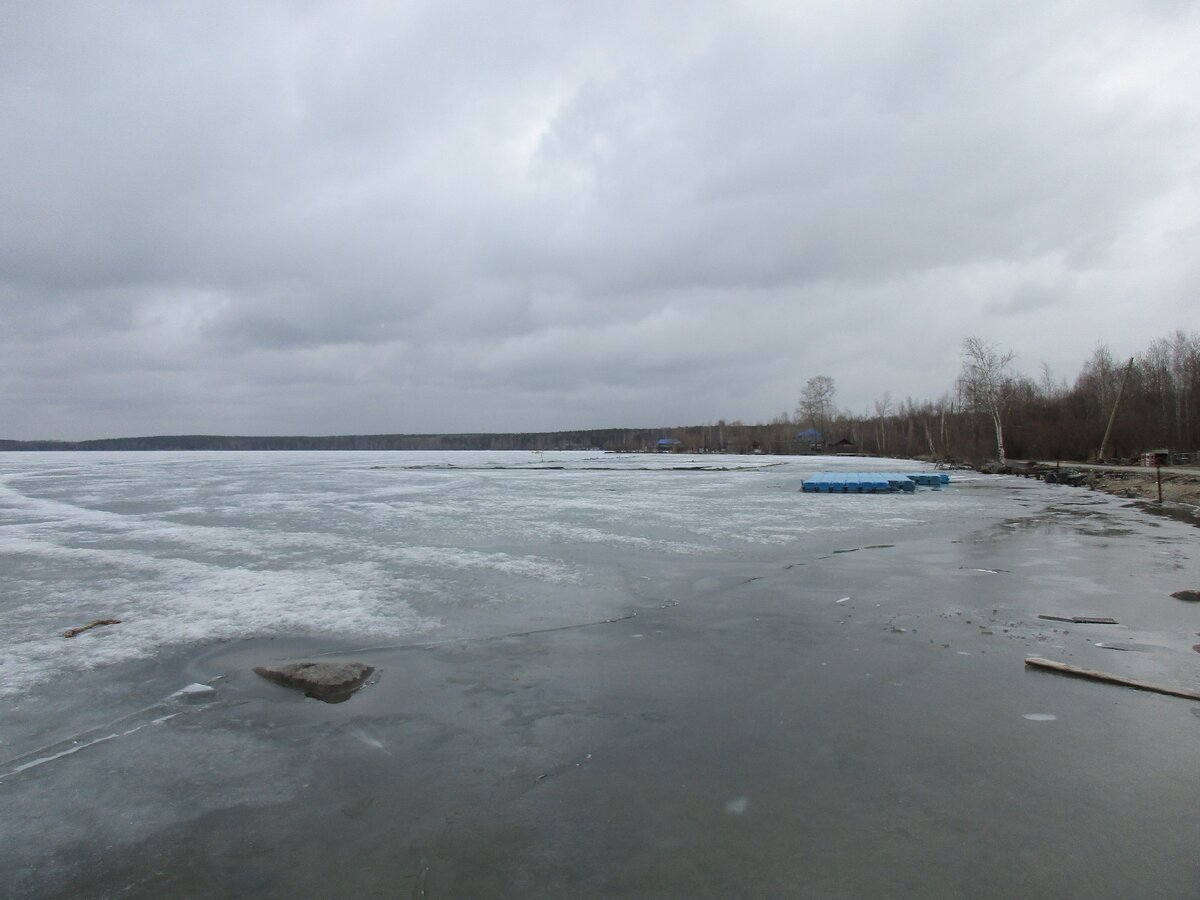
<point x="604" y="439"/>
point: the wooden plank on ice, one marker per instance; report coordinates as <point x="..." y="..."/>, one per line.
<point x="1080" y="672"/>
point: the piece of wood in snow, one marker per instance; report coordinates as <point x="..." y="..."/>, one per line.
<point x="71" y="632"/>
<point x="1080" y="672"/>
<point x="1083" y="620"/>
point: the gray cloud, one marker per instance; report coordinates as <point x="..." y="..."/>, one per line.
<point x="318" y="217"/>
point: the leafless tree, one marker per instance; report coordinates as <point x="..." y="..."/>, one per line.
<point x="883" y="409"/>
<point x="1051" y="388"/>
<point x="985" y="382"/>
<point x="816" y="403"/>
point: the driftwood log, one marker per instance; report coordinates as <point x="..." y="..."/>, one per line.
<point x="1080" y="672"/>
<point x="71" y="632"/>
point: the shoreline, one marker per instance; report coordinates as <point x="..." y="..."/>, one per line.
<point x="1180" y="487"/>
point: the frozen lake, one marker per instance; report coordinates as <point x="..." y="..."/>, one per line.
<point x="597" y="675"/>
<point x="193" y="547"/>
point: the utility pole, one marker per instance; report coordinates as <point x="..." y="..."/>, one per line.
<point x="1121" y="390"/>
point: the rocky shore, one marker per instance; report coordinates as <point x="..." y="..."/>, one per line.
<point x="1180" y="487"/>
<point x="1176" y="487"/>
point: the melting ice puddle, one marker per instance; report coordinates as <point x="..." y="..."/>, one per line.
<point x="737" y="805"/>
<point x="94" y="736"/>
<point x="42" y="760"/>
<point x="1039" y="717"/>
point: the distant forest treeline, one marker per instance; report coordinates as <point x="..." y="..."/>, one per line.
<point x="631" y="439"/>
<point x="1041" y="417"/>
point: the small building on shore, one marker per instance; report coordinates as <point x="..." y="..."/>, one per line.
<point x="1155" y="458"/>
<point x="810" y="441"/>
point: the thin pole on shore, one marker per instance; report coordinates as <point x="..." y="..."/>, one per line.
<point x="1158" y="477"/>
<point x="1116" y="405"/>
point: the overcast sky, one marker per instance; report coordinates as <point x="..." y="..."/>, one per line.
<point x="317" y="218"/>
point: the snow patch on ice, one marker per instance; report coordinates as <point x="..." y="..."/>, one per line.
<point x="180" y="601"/>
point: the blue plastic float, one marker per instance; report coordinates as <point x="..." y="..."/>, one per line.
<point x="872" y="482"/>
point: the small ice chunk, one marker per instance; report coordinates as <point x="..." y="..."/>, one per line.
<point x="843" y="600"/>
<point x="1039" y="717"/>
<point x="369" y="739"/>
<point x="193" y="691"/>
<point x="737" y="806"/>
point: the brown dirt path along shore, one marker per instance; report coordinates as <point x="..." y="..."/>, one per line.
<point x="1180" y="485"/>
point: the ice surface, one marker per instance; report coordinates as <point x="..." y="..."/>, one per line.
<point x="752" y="678"/>
<point x="193" y="547"/>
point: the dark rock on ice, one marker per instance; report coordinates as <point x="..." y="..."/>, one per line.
<point x="1193" y="596"/>
<point x="333" y="682"/>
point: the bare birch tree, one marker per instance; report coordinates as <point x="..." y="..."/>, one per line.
<point x="883" y="409"/>
<point x="984" y="383"/>
<point x="816" y="403"/>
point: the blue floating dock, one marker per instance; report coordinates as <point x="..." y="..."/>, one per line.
<point x="930" y="479"/>
<point x="872" y="482"/>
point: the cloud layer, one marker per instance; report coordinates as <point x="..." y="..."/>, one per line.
<point x="329" y="218"/>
